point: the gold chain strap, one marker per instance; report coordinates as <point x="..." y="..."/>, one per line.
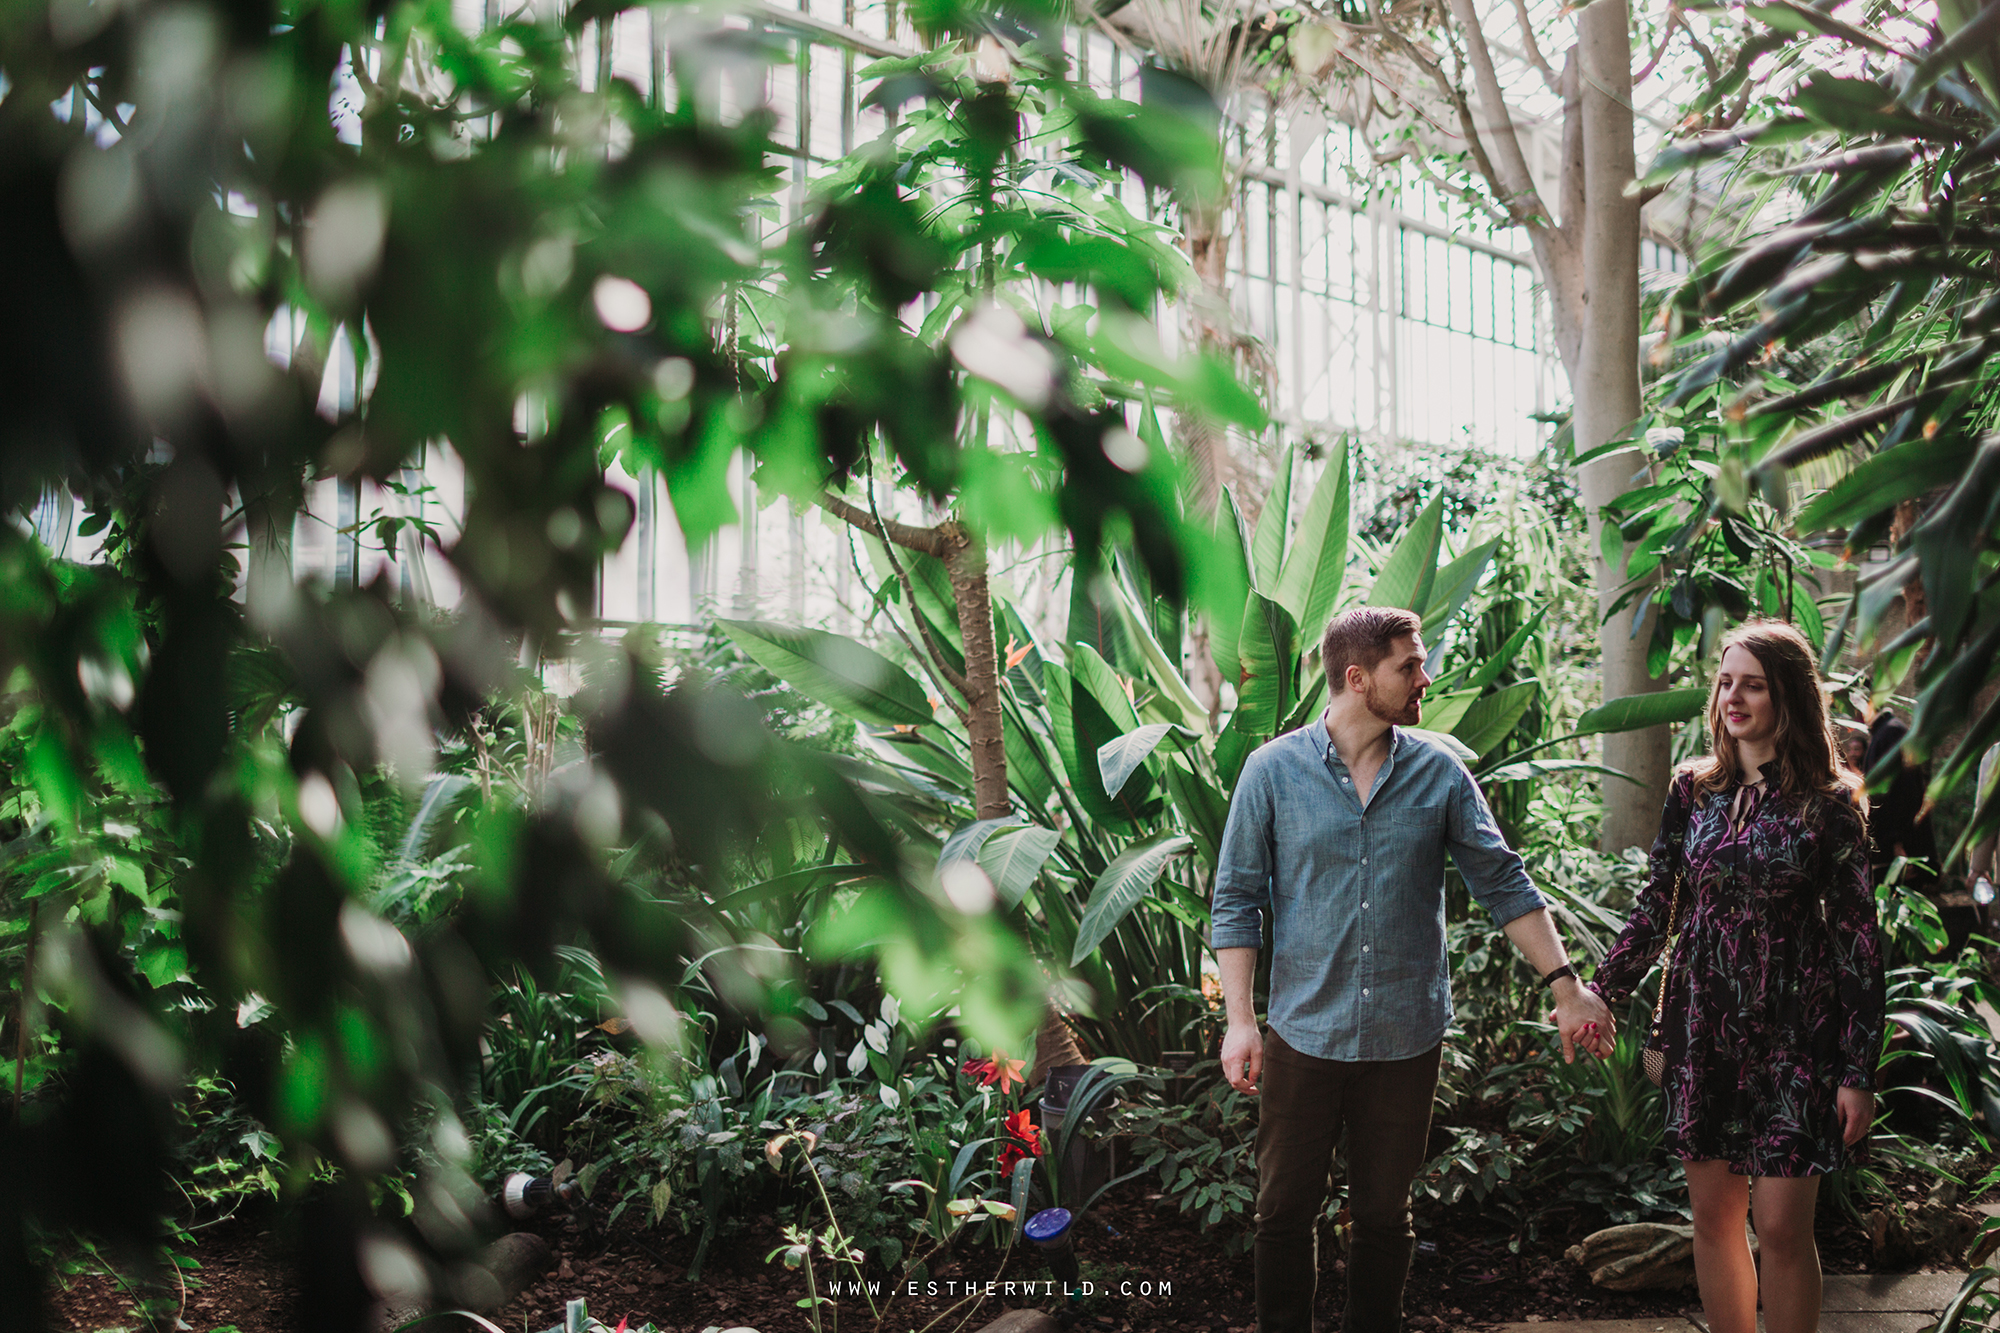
<point x="1667" y="953"/>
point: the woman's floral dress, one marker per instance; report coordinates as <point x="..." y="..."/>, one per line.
<point x="1774" y="990"/>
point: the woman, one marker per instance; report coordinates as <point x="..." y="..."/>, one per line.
<point x="1774" y="1006"/>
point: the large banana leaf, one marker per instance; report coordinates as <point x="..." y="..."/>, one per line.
<point x="1093" y="619"/>
<point x="1119" y="759"/>
<point x="1223" y="627"/>
<point x="1636" y="712"/>
<point x="1407" y="576"/>
<point x="1121" y="887"/>
<point x="1028" y="771"/>
<point x="964" y="843"/>
<point x="1489" y="670"/>
<point x="833" y="669"/>
<point x="1454" y="584"/>
<point x="1314" y="567"/>
<point x="1267" y="547"/>
<point x="1153" y="667"/>
<point x="1268" y="686"/>
<point x="1013" y="859"/>
<point x="1080" y="726"/>
<point x="1442" y="712"/>
<point x="1493" y="717"/>
<point x="1093" y="673"/>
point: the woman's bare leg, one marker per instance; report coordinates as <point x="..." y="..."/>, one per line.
<point x="1787" y="1259"/>
<point x="1723" y="1268"/>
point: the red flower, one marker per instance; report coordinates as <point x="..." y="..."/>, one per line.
<point x="999" y="1070"/>
<point x="1023" y="1140"/>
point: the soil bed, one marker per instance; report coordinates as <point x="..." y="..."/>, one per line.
<point x="1148" y="1270"/>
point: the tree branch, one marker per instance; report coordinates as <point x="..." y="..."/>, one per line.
<point x="1659" y="52"/>
<point x="938" y="542"/>
<point x="1533" y="49"/>
<point x="930" y="541"/>
<point x="932" y="669"/>
<point x="1455" y="94"/>
<point x="1509" y="167"/>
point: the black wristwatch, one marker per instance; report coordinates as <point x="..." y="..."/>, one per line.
<point x="1564" y="971"/>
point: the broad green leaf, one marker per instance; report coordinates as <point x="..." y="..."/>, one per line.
<point x="1454" y="585"/>
<point x="1856" y="105"/>
<point x="1234" y="746"/>
<point x="439" y="793"/>
<point x="1489" y="720"/>
<point x="1121" y="887"/>
<point x="1153" y="667"/>
<point x="1407" y="576"/>
<point x="964" y="843"/>
<point x="1224" y="626"/>
<point x="1267" y="548"/>
<point x="1526" y="769"/>
<point x="846" y="676"/>
<point x="1028" y="771"/>
<point x="1489" y="670"/>
<point x="1202" y="805"/>
<point x="1314" y="567"/>
<point x="1450" y="742"/>
<point x="1012" y="860"/>
<point x="1093" y="673"/>
<point x="1887" y="479"/>
<point x="1443" y="711"/>
<point x="1635" y="712"/>
<point x="1120" y="758"/>
<point x="798" y="881"/>
<point x="1079" y="725"/>
<point x="1268" y="686"/>
<point x="1092" y="618"/>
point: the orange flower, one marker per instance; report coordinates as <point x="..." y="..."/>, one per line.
<point x="999" y="1070"/>
<point x="1016" y="655"/>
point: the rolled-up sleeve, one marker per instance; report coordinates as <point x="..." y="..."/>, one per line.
<point x="1492" y="870"/>
<point x="1243" y="869"/>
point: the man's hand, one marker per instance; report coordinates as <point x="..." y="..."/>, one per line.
<point x="1856" y="1107"/>
<point x="1583" y="1019"/>
<point x="1243" y="1057"/>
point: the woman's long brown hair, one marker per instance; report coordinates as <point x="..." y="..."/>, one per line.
<point x="1807" y="750"/>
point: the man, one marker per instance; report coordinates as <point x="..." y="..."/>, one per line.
<point x="1337" y="833"/>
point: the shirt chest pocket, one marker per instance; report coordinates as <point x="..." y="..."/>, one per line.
<point x="1410" y="841"/>
<point x="1417" y="821"/>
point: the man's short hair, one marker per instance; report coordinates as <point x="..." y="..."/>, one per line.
<point x="1362" y="636"/>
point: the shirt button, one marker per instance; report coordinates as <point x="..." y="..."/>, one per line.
<point x="1343" y="782"/>
<point x="1364" y="860"/>
<point x="1365" y="948"/>
<point x="1364" y="902"/>
<point x="1364" y="990"/>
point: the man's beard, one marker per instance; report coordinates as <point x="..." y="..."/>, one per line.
<point x="1410" y="714"/>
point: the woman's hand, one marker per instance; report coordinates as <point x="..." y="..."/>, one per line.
<point x="1857" y="1112"/>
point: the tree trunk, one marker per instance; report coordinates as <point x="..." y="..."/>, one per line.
<point x="985" y="728"/>
<point x="1205" y="443"/>
<point x="1604" y="380"/>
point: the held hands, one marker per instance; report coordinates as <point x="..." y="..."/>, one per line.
<point x="1856" y="1108"/>
<point x="1583" y="1019"/>
<point x="1243" y="1057"/>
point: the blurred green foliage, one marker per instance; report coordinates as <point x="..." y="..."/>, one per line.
<point x="240" y="826"/>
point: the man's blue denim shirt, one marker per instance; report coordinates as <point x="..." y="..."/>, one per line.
<point x="1355" y="893"/>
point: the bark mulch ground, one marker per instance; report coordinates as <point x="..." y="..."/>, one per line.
<point x="1147" y="1269"/>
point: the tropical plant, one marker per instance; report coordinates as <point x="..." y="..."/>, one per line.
<point x="1118" y="782"/>
<point x="1830" y="357"/>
